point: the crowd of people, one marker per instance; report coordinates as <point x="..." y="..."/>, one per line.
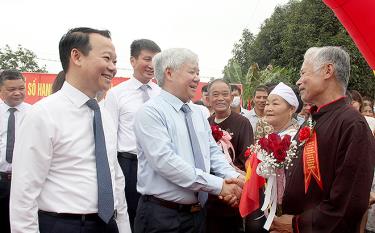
<point x="145" y="158"/>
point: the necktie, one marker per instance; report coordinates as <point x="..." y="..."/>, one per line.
<point x="145" y="95"/>
<point x="10" y="135"/>
<point x="105" y="191"/>
<point x="198" y="156"/>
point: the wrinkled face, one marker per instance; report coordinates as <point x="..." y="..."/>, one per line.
<point x="13" y="92"/>
<point x="100" y="64"/>
<point x="142" y="65"/>
<point x="220" y="97"/>
<point x="278" y="112"/>
<point x="185" y="81"/>
<point x="367" y="111"/>
<point x="310" y="83"/>
<point x="260" y="99"/>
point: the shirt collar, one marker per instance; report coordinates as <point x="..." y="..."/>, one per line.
<point x="316" y="112"/>
<point x="244" y="110"/>
<point x="137" y="84"/>
<point x="77" y="97"/>
<point x="253" y="113"/>
<point x="175" y="102"/>
<point x="19" y="107"/>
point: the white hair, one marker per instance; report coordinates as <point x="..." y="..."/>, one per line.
<point x="337" y="56"/>
<point x="173" y="59"/>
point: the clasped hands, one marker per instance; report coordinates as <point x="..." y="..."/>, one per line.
<point x="231" y="190"/>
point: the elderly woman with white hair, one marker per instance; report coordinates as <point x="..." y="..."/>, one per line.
<point x="281" y="104"/>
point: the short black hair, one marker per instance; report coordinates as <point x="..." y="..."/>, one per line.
<point x="77" y="38"/>
<point x="205" y="88"/>
<point x="211" y="83"/>
<point x="143" y="44"/>
<point x="234" y="87"/>
<point x="10" y="75"/>
<point x="261" y="88"/>
<point x="367" y="98"/>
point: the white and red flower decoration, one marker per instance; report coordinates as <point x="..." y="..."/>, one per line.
<point x="306" y="131"/>
<point x="222" y="139"/>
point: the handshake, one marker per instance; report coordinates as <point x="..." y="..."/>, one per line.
<point x="232" y="190"/>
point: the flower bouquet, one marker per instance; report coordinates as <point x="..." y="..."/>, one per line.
<point x="275" y="154"/>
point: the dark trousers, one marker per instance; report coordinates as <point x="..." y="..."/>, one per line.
<point x="129" y="165"/>
<point x="224" y="224"/>
<point x="4" y="204"/>
<point x="221" y="218"/>
<point x="56" y="224"/>
<point x="155" y="218"/>
<point x="255" y="221"/>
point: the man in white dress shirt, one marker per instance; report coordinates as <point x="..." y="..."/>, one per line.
<point x="259" y="99"/>
<point x="12" y="112"/>
<point x="58" y="184"/>
<point x="122" y="102"/>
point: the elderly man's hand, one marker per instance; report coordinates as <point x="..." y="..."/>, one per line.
<point x="231" y="191"/>
<point x="282" y="224"/>
<point x="241" y="179"/>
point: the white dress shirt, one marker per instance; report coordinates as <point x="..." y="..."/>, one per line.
<point x="166" y="167"/>
<point x="122" y="102"/>
<point x="54" y="166"/>
<point x="253" y="118"/>
<point x="4" y="116"/>
<point x="205" y="111"/>
<point x="371" y="123"/>
<point x="246" y="113"/>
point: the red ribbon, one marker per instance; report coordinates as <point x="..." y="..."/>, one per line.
<point x="311" y="162"/>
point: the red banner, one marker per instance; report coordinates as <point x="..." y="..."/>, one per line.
<point x="39" y="85"/>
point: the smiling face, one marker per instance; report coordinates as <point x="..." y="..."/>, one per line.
<point x="13" y="92"/>
<point x="367" y="111"/>
<point x="278" y="112"/>
<point x="184" y="81"/>
<point x="99" y="66"/>
<point x="220" y="97"/>
<point x="260" y="99"/>
<point x="142" y="65"/>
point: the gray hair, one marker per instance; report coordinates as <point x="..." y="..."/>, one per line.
<point x="173" y="59"/>
<point x="337" y="56"/>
